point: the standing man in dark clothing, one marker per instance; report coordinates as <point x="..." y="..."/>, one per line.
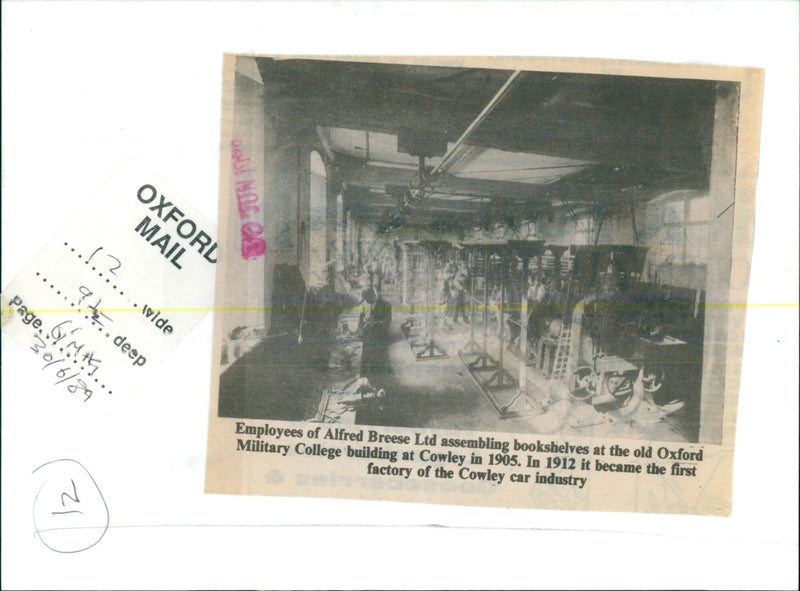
<point x="459" y="293"/>
<point x="374" y="324"/>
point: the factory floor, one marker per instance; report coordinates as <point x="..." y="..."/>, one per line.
<point x="282" y="380"/>
<point x="441" y="393"/>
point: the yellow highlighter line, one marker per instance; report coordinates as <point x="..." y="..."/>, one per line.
<point x="406" y="308"/>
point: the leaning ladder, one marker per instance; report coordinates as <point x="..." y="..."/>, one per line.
<point x="562" y="352"/>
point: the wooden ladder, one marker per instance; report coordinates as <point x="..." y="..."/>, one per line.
<point x="562" y="352"/>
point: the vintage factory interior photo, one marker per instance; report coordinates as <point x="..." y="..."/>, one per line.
<point x="477" y="249"/>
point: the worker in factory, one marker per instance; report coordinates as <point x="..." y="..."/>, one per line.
<point x="513" y="309"/>
<point x="444" y="281"/>
<point x="494" y="304"/>
<point x="535" y="294"/>
<point x="374" y="324"/>
<point x="458" y="292"/>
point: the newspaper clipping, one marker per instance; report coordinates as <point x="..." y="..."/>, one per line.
<point x="511" y="282"/>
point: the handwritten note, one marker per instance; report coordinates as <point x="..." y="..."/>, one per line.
<point x="69" y="512"/>
<point x="116" y="290"/>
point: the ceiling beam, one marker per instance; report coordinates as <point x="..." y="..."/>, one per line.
<point x="372" y="200"/>
<point x="500" y="190"/>
<point x="447" y="160"/>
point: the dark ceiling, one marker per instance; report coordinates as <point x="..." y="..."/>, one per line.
<point x="644" y="133"/>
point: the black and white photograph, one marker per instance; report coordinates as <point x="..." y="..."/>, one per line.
<point x="478" y="248"/>
<point x="411" y="295"/>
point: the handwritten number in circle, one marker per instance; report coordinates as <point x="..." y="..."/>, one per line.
<point x="65" y="520"/>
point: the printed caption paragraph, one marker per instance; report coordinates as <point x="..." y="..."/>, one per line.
<point x="491" y="460"/>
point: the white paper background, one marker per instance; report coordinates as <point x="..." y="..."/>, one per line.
<point x="86" y="86"/>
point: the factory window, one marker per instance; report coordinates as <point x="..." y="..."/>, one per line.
<point x="318" y="189"/>
<point x="696" y="250"/>
<point x="676" y="226"/>
<point x="583" y="229"/>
